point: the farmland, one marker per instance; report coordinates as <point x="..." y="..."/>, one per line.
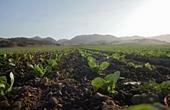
<point x="96" y="77"/>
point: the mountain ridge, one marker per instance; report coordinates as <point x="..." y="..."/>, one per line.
<point x="22" y="41"/>
<point x="85" y="40"/>
<point x="110" y="39"/>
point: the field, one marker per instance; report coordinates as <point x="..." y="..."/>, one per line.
<point x="96" y="77"/>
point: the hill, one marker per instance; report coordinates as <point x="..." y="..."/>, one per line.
<point x="22" y="42"/>
<point x="48" y="39"/>
<point x="165" y="37"/>
<point x="109" y="39"/>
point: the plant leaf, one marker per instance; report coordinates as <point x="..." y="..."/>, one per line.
<point x="3" y="80"/>
<point x="11" y="75"/>
<point x="111" y="80"/>
<point x="113" y="77"/>
<point x="2" y="86"/>
<point x="142" y="107"/>
<point x="98" y="82"/>
<point x="104" y="65"/>
<point x="92" y="62"/>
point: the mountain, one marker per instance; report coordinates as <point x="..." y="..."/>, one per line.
<point x="109" y="39"/>
<point x="48" y="39"/>
<point x="165" y="37"/>
<point x="85" y="40"/>
<point x="90" y="39"/>
<point x="36" y="38"/>
<point x="22" y="42"/>
<point x="143" y="41"/>
<point x="131" y="37"/>
<point x="62" y="41"/>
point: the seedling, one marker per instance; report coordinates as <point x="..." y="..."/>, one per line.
<point x="5" y="87"/>
<point x="108" y="82"/>
<point x="149" y="66"/>
<point x="58" y="57"/>
<point x="134" y="65"/>
<point x="84" y="53"/>
<point x="51" y="63"/>
<point x="153" y="85"/>
<point x="97" y="66"/>
<point x="118" y="56"/>
<point x="39" y="69"/>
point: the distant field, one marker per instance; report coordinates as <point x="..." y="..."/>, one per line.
<point x="33" y="49"/>
<point x="152" y="50"/>
<point x="156" y="49"/>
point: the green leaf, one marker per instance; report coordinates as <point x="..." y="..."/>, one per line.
<point x="92" y="62"/>
<point x="111" y="80"/>
<point x="2" y="92"/>
<point x="142" y="107"/>
<point x="3" y="80"/>
<point x="104" y="65"/>
<point x="31" y="66"/>
<point x="91" y="59"/>
<point x="2" y="86"/>
<point x="12" y="64"/>
<point x="98" y="82"/>
<point x="39" y="69"/>
<point x="11" y="75"/>
<point x="52" y="62"/>
<point x="113" y="77"/>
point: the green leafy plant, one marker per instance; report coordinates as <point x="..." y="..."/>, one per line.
<point x="58" y="57"/>
<point x="5" y="87"/>
<point x="143" y="107"/>
<point x="118" y="56"/>
<point x="134" y="65"/>
<point x="84" y="53"/>
<point x="149" y="66"/>
<point x="39" y="69"/>
<point x="52" y="63"/>
<point x="30" y="56"/>
<point x="153" y="85"/>
<point x="108" y="82"/>
<point x="12" y="62"/>
<point x="97" y="66"/>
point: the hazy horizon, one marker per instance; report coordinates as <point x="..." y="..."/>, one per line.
<point x="66" y="19"/>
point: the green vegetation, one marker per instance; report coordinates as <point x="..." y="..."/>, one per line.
<point x="6" y="87"/>
<point x="39" y="69"/>
<point x="80" y="70"/>
<point x="143" y="107"/>
<point x="108" y="82"/>
<point x="149" y="66"/>
<point x="142" y="50"/>
<point x="152" y="85"/>
<point x="96" y="65"/>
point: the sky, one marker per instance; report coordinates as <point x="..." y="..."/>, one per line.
<point x="68" y="18"/>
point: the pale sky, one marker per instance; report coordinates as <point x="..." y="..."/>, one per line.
<point x="68" y="18"/>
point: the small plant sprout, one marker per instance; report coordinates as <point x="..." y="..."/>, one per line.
<point x="149" y="66"/>
<point x="39" y="69"/>
<point x="11" y="62"/>
<point x="51" y="63"/>
<point x="108" y="82"/>
<point x="5" y="87"/>
<point x="58" y="57"/>
<point x="5" y="55"/>
<point x="118" y="56"/>
<point x="97" y="66"/>
<point x="134" y="65"/>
